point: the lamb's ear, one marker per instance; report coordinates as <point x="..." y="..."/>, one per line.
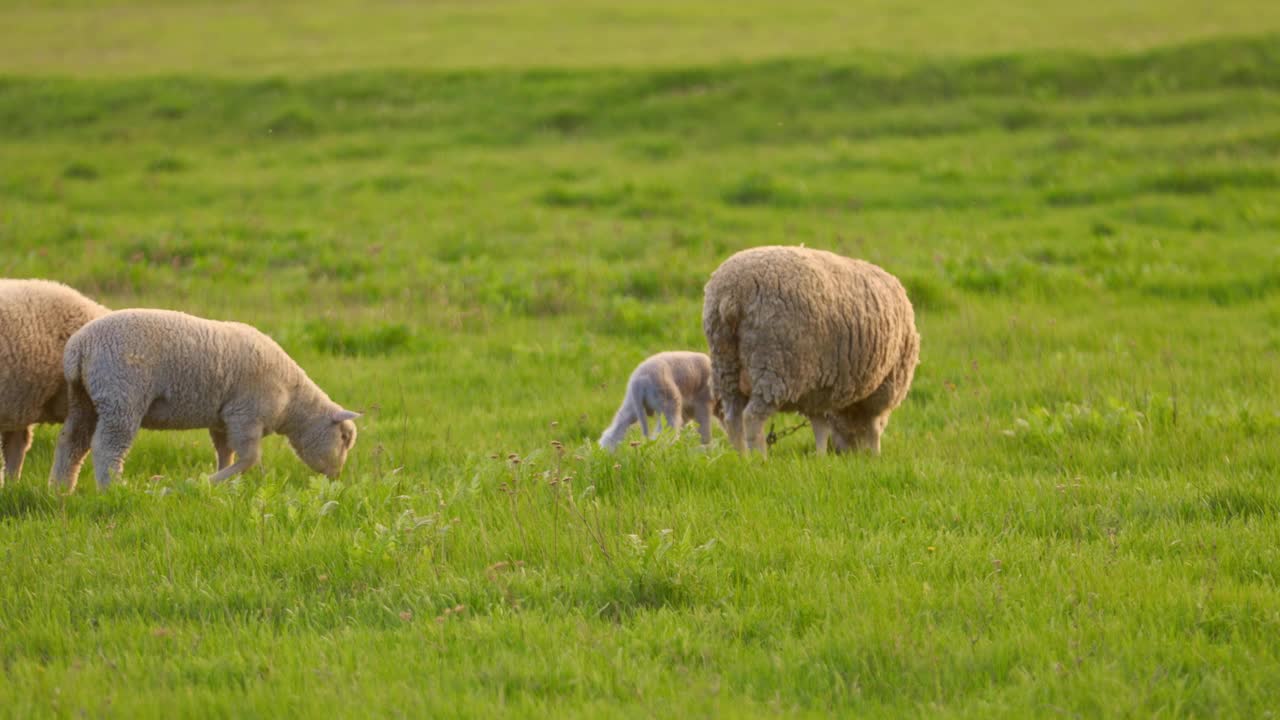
<point x="343" y="415"/>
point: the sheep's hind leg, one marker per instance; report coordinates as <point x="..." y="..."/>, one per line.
<point x="754" y="417"/>
<point x="111" y="443"/>
<point x="222" y="447"/>
<point x="16" y="444"/>
<point x="702" y="415"/>
<point x="74" y="440"/>
<point x="247" y="444"/>
<point x="735" y="427"/>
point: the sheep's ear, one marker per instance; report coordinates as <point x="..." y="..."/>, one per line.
<point x="344" y="415"/>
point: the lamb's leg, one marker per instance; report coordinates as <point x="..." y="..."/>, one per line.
<point x="641" y="414"/>
<point x="111" y="443"/>
<point x="821" y="432"/>
<point x="757" y="413"/>
<point x="246" y="441"/>
<point x="671" y="411"/>
<point x="221" y="446"/>
<point x="74" y="439"/>
<point x="16" y="444"/>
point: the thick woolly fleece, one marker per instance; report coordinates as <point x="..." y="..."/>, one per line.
<point x="36" y="318"/>
<point x="800" y="330"/>
<point x="676" y="384"/>
<point x="165" y="370"/>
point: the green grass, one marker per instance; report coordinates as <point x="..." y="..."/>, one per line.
<point x="1075" y="512"/>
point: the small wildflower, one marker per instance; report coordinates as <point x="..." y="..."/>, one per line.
<point x="932" y="548"/>
<point x="635" y="443"/>
<point x="459" y="608"/>
<point x="616" y="466"/>
<point x="323" y="578"/>
<point x="406" y="616"/>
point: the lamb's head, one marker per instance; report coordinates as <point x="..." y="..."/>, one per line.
<point x="325" y="440"/>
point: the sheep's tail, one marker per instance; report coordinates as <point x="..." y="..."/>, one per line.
<point x="71" y="362"/>
<point x="720" y="322"/>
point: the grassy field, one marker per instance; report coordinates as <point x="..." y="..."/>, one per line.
<point x="1076" y="510"/>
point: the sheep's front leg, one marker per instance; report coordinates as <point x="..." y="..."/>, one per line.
<point x="16" y="444"/>
<point x="222" y="447"/>
<point x="246" y="442"/>
<point x="821" y="432"/>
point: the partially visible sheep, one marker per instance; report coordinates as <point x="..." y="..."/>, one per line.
<point x="36" y="318"/>
<point x="165" y="370"/>
<point x="675" y="384"/>
<point x="800" y="330"/>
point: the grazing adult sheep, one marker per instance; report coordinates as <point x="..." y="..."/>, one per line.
<point x="675" y="384"/>
<point x="36" y="318"/>
<point x="800" y="330"/>
<point x="166" y="370"/>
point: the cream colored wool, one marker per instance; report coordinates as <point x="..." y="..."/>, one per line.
<point x="798" y="330"/>
<point x="165" y="370"/>
<point x="36" y="318"/>
<point x="676" y="384"/>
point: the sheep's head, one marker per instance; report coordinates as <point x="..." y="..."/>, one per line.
<point x="325" y="441"/>
<point x="853" y="432"/>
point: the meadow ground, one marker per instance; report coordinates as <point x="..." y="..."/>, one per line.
<point x="473" y="219"/>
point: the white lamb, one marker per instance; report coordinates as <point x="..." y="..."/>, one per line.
<point x="36" y="318"/>
<point x="675" y="384"/>
<point x="165" y="370"/>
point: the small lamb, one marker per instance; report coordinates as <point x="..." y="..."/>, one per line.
<point x="165" y="370"/>
<point x="671" y="383"/>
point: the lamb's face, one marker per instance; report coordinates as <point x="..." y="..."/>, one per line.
<point x="328" y="441"/>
